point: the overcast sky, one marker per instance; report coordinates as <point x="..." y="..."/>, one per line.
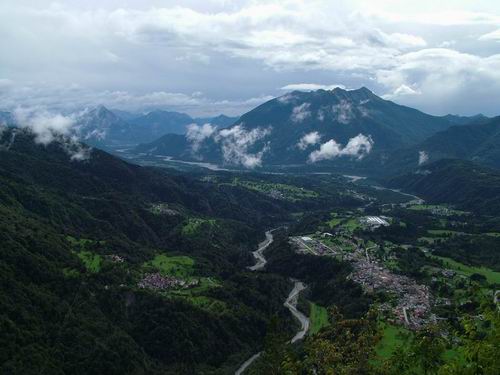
<point x="212" y="56"/>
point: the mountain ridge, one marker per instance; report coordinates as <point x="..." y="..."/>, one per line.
<point x="337" y="125"/>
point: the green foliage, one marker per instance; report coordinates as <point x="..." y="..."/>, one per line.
<point x="196" y="226"/>
<point x="91" y="261"/>
<point x="178" y="266"/>
<point x="277" y="190"/>
<point x="344" y="347"/>
<point x="392" y="337"/>
<point x="490" y="275"/>
<point x="318" y="316"/>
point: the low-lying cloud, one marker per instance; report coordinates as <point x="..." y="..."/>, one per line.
<point x="423" y="157"/>
<point x="48" y="127"/>
<point x="197" y="134"/>
<point x="301" y="112"/>
<point x="310" y="87"/>
<point x="310" y="139"/>
<point x="357" y="147"/>
<point x="236" y="143"/>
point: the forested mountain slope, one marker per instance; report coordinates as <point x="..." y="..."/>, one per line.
<point x="462" y="183"/>
<point x="78" y="239"/>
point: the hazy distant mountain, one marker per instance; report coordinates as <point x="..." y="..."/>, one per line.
<point x="103" y="127"/>
<point x="157" y="123"/>
<point x="222" y="121"/>
<point x="320" y="126"/>
<point x="478" y="142"/>
<point x="465" y="120"/>
<point x="100" y="126"/>
<point x="125" y="115"/>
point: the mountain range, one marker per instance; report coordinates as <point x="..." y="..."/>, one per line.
<point x="478" y="141"/>
<point x="102" y="127"/>
<point x="337" y="128"/>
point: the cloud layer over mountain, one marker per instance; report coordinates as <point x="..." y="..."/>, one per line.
<point x="231" y="55"/>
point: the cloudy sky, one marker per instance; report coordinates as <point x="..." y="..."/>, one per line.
<point x="212" y="56"/>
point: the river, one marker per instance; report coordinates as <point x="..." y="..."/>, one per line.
<point x="290" y="302"/>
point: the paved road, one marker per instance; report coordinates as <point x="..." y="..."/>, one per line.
<point x="290" y="302"/>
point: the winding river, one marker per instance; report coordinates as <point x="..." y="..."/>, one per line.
<point x="290" y="302"/>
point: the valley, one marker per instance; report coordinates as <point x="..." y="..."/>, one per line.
<point x="251" y="187"/>
<point x="164" y="249"/>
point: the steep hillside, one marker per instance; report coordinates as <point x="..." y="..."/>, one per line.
<point x="458" y="182"/>
<point x="338" y="126"/>
<point x="85" y="244"/>
<point x="478" y="142"/>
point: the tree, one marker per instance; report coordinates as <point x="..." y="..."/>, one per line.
<point x="344" y="347"/>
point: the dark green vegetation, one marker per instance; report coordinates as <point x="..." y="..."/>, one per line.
<point x="326" y="278"/>
<point x="477" y="141"/>
<point x="464" y="184"/>
<point x="108" y="267"/>
<point x="78" y="237"/>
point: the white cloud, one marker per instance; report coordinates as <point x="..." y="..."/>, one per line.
<point x="300" y="112"/>
<point x="196" y="134"/>
<point x="74" y="98"/>
<point x="236" y="143"/>
<point x="309" y="139"/>
<point x="344" y="112"/>
<point x="402" y="90"/>
<point x="494" y="35"/>
<point x="435" y="16"/>
<point x="443" y="78"/>
<point x="44" y="125"/>
<point x="310" y="87"/>
<point x="423" y="157"/>
<point x="258" y="44"/>
<point x="286" y="99"/>
<point x="358" y="147"/>
<point x="48" y="127"/>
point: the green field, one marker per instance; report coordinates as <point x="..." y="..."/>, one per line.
<point x="352" y="224"/>
<point x="195" y="225"/>
<point x="177" y="266"/>
<point x="91" y="261"/>
<point x="392" y="337"/>
<point x="208" y="303"/>
<point x="288" y="192"/>
<point x="318" y="316"/>
<point x="491" y="276"/>
<point x="334" y="222"/>
<point x="443" y="232"/>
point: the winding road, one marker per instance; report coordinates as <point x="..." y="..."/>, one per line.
<point x="290" y="302"/>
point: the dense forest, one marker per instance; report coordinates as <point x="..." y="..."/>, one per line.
<point x="68" y="305"/>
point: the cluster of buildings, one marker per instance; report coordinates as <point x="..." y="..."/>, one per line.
<point x="276" y="194"/>
<point x="158" y="281"/>
<point x="308" y="245"/>
<point x="374" y="222"/>
<point x="115" y="258"/>
<point x="412" y="302"/>
<point x="162" y="209"/>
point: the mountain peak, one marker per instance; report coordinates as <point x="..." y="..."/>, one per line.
<point x="358" y="94"/>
